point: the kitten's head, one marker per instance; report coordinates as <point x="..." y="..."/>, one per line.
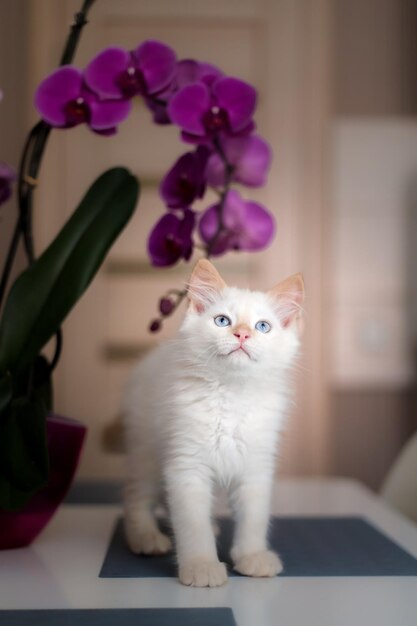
<point x="238" y="329"/>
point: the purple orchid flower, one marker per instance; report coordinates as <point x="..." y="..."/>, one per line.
<point x="186" y="180"/>
<point x="118" y="73"/>
<point x="187" y="72"/>
<point x="249" y="156"/>
<point x="63" y="100"/>
<point x="247" y="226"/>
<point x="7" y="176"/>
<point x="204" y="111"/>
<point x="190" y="71"/>
<point x="170" y="239"/>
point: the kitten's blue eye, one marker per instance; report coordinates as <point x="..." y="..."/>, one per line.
<point x="263" y="327"/>
<point x="222" y="320"/>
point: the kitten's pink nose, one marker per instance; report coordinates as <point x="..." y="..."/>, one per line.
<point x="242" y="333"/>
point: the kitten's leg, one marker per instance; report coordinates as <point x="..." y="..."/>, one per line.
<point x="140" y="497"/>
<point x="250" y="554"/>
<point x="189" y="499"/>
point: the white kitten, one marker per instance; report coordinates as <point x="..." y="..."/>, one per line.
<point x="205" y="409"/>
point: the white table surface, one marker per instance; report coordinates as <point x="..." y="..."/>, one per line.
<point x="61" y="569"/>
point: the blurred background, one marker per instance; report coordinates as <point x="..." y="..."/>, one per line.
<point x="338" y="102"/>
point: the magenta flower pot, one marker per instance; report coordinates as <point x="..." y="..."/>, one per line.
<point x="65" y="441"/>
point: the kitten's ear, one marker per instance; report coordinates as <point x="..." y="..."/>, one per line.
<point x="204" y="286"/>
<point x="288" y="297"/>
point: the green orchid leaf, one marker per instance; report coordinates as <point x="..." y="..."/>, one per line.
<point x="44" y="294"/>
<point x="24" y="463"/>
<point x="37" y="375"/>
<point x="42" y="380"/>
<point x="6" y="391"/>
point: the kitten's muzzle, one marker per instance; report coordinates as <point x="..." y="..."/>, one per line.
<point x="238" y="349"/>
<point x="242" y="332"/>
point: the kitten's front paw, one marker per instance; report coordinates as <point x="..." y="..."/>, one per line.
<point x="202" y="573"/>
<point x="260" y="564"/>
<point x="148" y="542"/>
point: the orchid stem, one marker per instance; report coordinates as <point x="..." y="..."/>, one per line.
<point x="229" y="169"/>
<point x="80" y="20"/>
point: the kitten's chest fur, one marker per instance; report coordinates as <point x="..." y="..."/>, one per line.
<point x="231" y="427"/>
<point x="230" y="420"/>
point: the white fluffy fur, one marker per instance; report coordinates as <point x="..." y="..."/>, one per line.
<point x="197" y="415"/>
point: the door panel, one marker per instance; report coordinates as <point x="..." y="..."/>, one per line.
<point x="266" y="43"/>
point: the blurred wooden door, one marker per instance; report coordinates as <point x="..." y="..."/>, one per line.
<point x="279" y="46"/>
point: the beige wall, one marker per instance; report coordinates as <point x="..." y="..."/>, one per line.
<point x="374" y="172"/>
<point x="376" y="52"/>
